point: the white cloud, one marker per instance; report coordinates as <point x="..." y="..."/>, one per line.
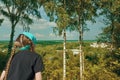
<point x="53" y="24"/>
<point x="6" y="22"/>
<point x="42" y="24"/>
<point x="52" y="35"/>
<point x="39" y="35"/>
<point x="4" y="36"/>
<point x="69" y="35"/>
<point x="72" y="35"/>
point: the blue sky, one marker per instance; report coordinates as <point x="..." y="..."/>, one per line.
<point x="43" y="29"/>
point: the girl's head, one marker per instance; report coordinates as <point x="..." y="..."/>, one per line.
<point x="25" y="41"/>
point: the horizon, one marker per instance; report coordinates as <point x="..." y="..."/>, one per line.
<point x="54" y="40"/>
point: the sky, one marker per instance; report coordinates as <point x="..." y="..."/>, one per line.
<point x="43" y="29"/>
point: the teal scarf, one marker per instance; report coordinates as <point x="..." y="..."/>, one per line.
<point x="27" y="47"/>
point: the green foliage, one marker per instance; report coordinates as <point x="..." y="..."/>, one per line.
<point x="110" y="9"/>
<point x="2" y="60"/>
<point x="113" y="61"/>
<point x="3" y="55"/>
<point x="70" y="45"/>
<point x="105" y="36"/>
<point x="99" y="63"/>
<point x="50" y="42"/>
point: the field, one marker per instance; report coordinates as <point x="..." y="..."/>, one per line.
<point x="99" y="63"/>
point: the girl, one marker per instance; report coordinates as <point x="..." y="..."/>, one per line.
<point x="25" y="64"/>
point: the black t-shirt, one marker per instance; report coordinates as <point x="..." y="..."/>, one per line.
<point x="24" y="65"/>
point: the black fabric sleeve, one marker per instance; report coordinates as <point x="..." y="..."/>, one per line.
<point x="38" y="66"/>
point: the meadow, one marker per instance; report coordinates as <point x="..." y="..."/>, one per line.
<point x="99" y="63"/>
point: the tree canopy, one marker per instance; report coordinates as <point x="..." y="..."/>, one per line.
<point x="99" y="63"/>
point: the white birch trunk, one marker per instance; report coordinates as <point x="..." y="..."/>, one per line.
<point x="64" y="55"/>
<point x="81" y="62"/>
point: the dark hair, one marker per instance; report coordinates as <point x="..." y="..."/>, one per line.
<point x="25" y="41"/>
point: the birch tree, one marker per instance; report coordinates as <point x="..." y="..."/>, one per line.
<point x="84" y="10"/>
<point x="110" y="9"/>
<point x="78" y="12"/>
<point x="58" y="9"/>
